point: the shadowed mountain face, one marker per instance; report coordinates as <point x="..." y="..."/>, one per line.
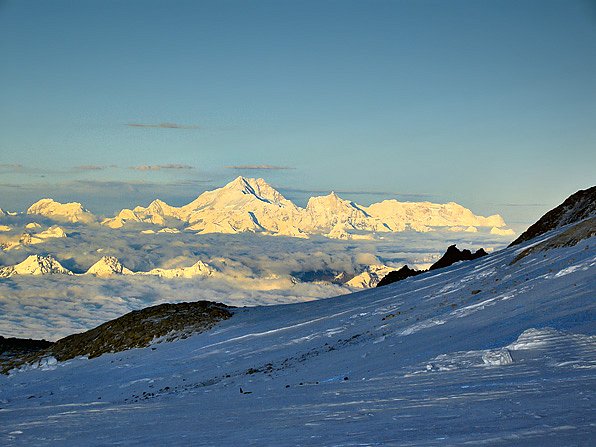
<point x="15" y="351"/>
<point x="18" y="346"/>
<point x="451" y="256"/>
<point x="577" y="207"/>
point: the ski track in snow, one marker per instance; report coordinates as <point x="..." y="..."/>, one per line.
<point x="482" y="353"/>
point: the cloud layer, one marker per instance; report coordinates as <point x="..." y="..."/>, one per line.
<point x="160" y="167"/>
<point x="256" y="270"/>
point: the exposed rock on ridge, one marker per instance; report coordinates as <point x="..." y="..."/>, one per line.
<point x="575" y="208"/>
<point x="568" y="238"/>
<point x="139" y="328"/>
<point x="451" y="256"/>
<point x="399" y="275"/>
<point x="136" y="329"/>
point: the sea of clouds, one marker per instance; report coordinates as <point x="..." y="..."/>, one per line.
<point x="255" y="270"/>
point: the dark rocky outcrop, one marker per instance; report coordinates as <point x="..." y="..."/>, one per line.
<point x="576" y="208"/>
<point x="451" y="256"/>
<point x="16" y="350"/>
<point x="399" y="275"/>
<point x="136" y="329"/>
<point x="20" y="346"/>
<point x="568" y="238"/>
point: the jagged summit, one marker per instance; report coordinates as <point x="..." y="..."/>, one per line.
<point x="199" y="268"/>
<point x="239" y="192"/>
<point x="252" y="205"/>
<point x="453" y="255"/>
<point x="35" y="265"/>
<point x="257" y="187"/>
<point x="71" y="212"/>
<point x="108" y="266"/>
<point x="486" y="338"/>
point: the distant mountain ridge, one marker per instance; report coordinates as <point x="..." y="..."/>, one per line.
<point x="71" y="212"/>
<point x="107" y="266"/>
<point x="252" y="205"/>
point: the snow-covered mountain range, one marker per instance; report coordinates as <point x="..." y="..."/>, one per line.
<point x="105" y="267"/>
<point x="500" y="350"/>
<point x="252" y="205"/>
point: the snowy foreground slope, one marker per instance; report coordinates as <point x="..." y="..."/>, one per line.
<point x="482" y="352"/>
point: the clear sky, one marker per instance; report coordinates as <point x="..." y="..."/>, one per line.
<point x="491" y="104"/>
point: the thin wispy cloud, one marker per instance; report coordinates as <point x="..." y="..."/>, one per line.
<point x="162" y="126"/>
<point x="15" y="166"/>
<point x="522" y="204"/>
<point x="174" y="166"/>
<point x="102" y="197"/>
<point x="94" y="167"/>
<point x="259" y="167"/>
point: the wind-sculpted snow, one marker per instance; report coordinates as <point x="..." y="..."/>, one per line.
<point x="482" y="352"/>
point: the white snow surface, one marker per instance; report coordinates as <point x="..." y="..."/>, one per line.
<point x="35" y="265"/>
<point x="252" y="205"/>
<point x="70" y="212"/>
<point x="421" y="362"/>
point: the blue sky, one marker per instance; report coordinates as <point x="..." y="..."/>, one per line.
<point x="488" y="103"/>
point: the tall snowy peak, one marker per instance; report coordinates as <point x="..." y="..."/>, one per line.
<point x="243" y="205"/>
<point x="71" y="212"/>
<point x="252" y="205"/>
<point x="108" y="266"/>
<point x="256" y="187"/>
<point x="199" y="268"/>
<point x="333" y="212"/>
<point x="35" y="265"/>
<point x="238" y="193"/>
